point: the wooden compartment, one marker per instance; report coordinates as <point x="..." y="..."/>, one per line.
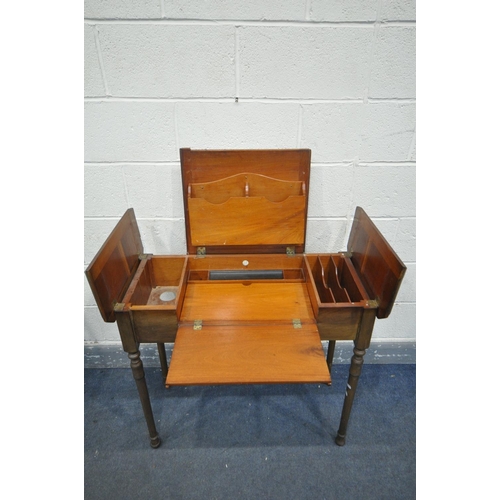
<point x="246" y="209"/>
<point x="246" y="288"/>
<point x="337" y="295"/>
<point x="155" y="297"/>
<point x="246" y="268"/>
<point x="335" y="279"/>
<point x="158" y="282"/>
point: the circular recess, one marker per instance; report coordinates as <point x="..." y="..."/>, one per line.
<point x="167" y="296"/>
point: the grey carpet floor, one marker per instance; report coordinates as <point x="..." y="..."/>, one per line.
<point x="251" y="442"/>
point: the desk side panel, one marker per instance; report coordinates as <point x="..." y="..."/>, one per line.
<point x="112" y="269"/>
<point x="339" y="323"/>
<point x="152" y="326"/>
<point x="376" y="263"/>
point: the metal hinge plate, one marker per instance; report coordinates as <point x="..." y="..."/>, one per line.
<point x="297" y="323"/>
<point x="201" y="250"/>
<point x="198" y="324"/>
<point x="290" y="250"/>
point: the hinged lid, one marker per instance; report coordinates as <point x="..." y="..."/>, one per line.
<point x="377" y="264"/>
<point x="112" y="269"/>
<point x="245" y="201"/>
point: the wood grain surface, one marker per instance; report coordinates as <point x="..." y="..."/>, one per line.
<point x="246" y="301"/>
<point x="247" y="354"/>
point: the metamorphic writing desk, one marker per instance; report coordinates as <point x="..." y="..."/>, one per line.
<point x="245" y="305"/>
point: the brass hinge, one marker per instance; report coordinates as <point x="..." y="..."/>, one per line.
<point x="297" y="323"/>
<point x="198" y="323"/>
<point x="201" y="251"/>
<point x="290" y="250"/>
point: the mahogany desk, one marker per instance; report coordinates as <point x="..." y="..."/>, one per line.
<point x="245" y="305"/>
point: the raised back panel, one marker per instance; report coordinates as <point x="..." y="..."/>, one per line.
<point x="245" y="201"/>
<point x="377" y="264"/>
<point x="112" y="269"/>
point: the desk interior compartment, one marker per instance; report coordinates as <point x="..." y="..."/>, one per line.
<point x="158" y="282"/>
<point x="155" y="297"/>
<point x="246" y="209"/>
<point x="334" y="279"/>
<point x="239" y="288"/>
<point x="247" y="268"/>
<point x="338" y="297"/>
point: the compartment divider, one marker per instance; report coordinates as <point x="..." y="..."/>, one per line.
<point x="338" y="291"/>
<point x="324" y="292"/>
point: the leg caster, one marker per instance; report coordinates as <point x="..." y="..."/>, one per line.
<point x="340" y="440"/>
<point x="155" y="442"/>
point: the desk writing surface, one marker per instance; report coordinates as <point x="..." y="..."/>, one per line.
<point x="246" y="301"/>
<point x="247" y="335"/>
<point x="247" y="354"/>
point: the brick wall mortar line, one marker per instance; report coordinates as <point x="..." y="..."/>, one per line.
<point x="176" y="128"/>
<point x="125" y="184"/>
<point x="89" y="218"/>
<point x="396" y="163"/>
<point x="166" y="163"/>
<point x="352" y="204"/>
<point x="372" y="51"/>
<point x="257" y="23"/>
<point x="299" y="128"/>
<point x="412" y="145"/>
<point x="237" y="70"/>
<point x="263" y="100"/>
<point x="308" y="10"/>
<point x="174" y="163"/>
<point x="95" y="30"/>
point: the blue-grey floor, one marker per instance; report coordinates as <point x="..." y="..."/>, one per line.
<point x="251" y="442"/>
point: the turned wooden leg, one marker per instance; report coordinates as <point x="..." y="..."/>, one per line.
<point x="140" y="380"/>
<point x="163" y="360"/>
<point x="354" y="373"/>
<point x="329" y="354"/>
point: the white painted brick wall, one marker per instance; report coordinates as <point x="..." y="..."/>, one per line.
<point x="149" y="60"/>
<point x="336" y="77"/>
<point x="227" y="125"/>
<point x="306" y="62"/>
<point x="129" y="130"/>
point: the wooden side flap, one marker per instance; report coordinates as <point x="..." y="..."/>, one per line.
<point x="377" y="264"/>
<point x="112" y="269"/>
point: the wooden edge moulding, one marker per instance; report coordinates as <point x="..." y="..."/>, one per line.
<point x="245" y="304"/>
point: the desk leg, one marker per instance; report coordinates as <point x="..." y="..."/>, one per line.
<point x="352" y="383"/>
<point x="140" y="380"/>
<point x="329" y="354"/>
<point x="163" y="360"/>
